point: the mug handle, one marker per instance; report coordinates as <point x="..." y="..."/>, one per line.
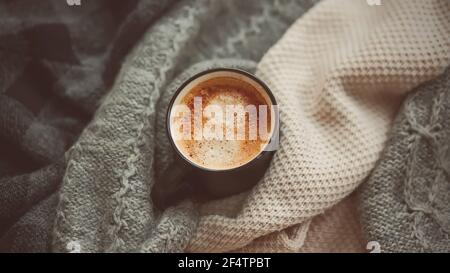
<point x="172" y="187"/>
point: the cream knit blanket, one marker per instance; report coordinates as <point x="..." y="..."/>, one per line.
<point x="339" y="74"/>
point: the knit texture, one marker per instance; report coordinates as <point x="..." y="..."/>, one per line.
<point x="57" y="61"/>
<point x="105" y="203"/>
<point x="338" y="230"/>
<point x="405" y="203"/>
<point x="31" y="232"/>
<point x="339" y="75"/>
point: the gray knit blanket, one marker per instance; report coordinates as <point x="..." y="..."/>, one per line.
<point x="59" y="62"/>
<point x="405" y="204"/>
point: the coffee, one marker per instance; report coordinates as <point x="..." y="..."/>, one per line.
<point x="221" y="121"/>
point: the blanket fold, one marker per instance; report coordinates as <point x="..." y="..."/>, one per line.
<point x="404" y="205"/>
<point x="57" y="62"/>
<point x="339" y="75"/>
<point x="105" y="200"/>
<point x="86" y="115"/>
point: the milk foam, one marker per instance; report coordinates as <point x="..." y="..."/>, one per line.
<point x="223" y="153"/>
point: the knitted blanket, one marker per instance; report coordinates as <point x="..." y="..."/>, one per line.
<point x="338" y="230"/>
<point x="56" y="63"/>
<point x="104" y="202"/>
<point x="339" y="74"/>
<point x="405" y="203"/>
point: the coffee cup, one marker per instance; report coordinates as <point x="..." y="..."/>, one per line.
<point x="223" y="127"/>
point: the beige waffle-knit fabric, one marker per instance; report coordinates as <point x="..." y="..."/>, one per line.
<point x="337" y="230"/>
<point x="339" y="75"/>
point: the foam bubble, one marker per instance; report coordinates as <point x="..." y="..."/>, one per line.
<point x="223" y="153"/>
